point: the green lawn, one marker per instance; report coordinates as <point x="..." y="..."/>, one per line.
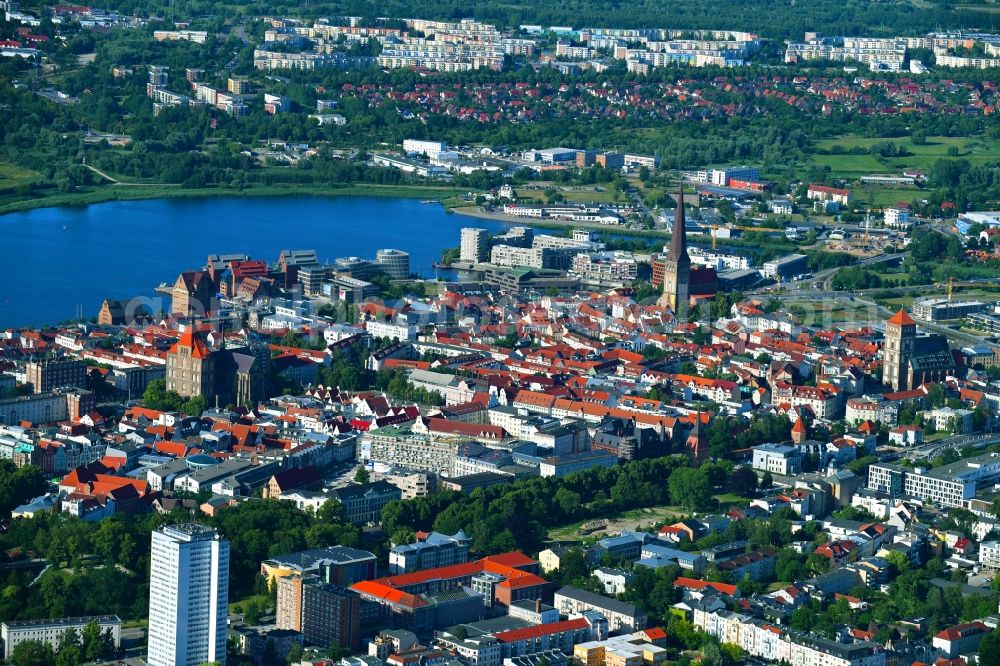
<point x="977" y="150"/>
<point x="588" y="196"/>
<point x="12" y="175"/>
<point x="263" y="600"/>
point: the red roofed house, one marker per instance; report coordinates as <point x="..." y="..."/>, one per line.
<point x="695" y="585"/>
<point x="818" y="192"/>
<point x="960" y="639"/>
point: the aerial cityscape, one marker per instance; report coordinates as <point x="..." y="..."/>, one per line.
<point x="477" y="334"/>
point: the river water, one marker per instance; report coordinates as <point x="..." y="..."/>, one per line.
<point x="58" y="262"/>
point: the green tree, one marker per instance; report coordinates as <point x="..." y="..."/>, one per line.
<point x="743" y="481"/>
<point x="766" y="480"/>
<point x="989" y="648"/>
<point x="295" y="654"/>
<point x="71" y="655"/>
<point x="690" y="488"/>
<point x="817" y="564"/>
<point x="32" y="653"/>
<point x="362" y="475"/>
<point x="96" y="644"/>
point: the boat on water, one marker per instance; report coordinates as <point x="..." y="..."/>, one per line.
<point x="440" y="264"/>
<point x="429" y="201"/>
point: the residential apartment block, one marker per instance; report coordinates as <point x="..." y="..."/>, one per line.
<point x="52" y="631"/>
<point x="188" y="596"/>
<point x="434" y="550"/>
<point x="621" y="616"/>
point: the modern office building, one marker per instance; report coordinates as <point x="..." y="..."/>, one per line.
<point x="939" y="309"/>
<point x="949" y="485"/>
<point x="330" y="614"/>
<point x="335" y="564"/>
<point x="395" y="263"/>
<point x="188" y="596"/>
<point x="777" y="459"/>
<point x="311" y="278"/>
<point x="793" y="264"/>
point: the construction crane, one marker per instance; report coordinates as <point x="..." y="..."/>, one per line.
<point x="951" y="284"/>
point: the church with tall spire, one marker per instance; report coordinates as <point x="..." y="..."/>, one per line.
<point x="677" y="265"/>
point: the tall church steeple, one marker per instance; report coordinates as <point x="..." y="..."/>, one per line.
<point x="900" y="340"/>
<point x="677" y="265"/>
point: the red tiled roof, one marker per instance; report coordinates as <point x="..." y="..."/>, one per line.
<point x="695" y="584"/>
<point x="901" y="319"/>
<point x="199" y="349"/>
<point x="540" y="630"/>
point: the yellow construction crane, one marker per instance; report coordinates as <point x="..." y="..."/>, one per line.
<point x="951" y="284"/>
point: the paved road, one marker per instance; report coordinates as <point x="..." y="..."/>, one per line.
<point x="934" y="449"/>
<point x="634" y="193"/>
<point x="824" y="279"/>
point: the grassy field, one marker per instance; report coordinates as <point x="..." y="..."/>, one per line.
<point x="587" y="195"/>
<point x="879" y="196"/>
<point x="977" y="150"/>
<point x="627" y="520"/>
<point x="637" y="519"/>
<point x="12" y="176"/>
<point x="262" y="600"/>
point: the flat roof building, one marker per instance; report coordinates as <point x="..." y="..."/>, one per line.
<point x="52" y="631"/>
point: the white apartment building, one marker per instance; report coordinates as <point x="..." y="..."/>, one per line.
<point x="621" y="616"/>
<point x="188" y="596"/>
<point x="616" y="265"/>
<point x="897" y="217"/>
<point x="52" y="631"/>
<point x="989" y="555"/>
<point x="946" y="418"/>
<point x="392" y="330"/>
<point x="777" y="459"/>
<point x="721" y="261"/>
<point x="475" y="245"/>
